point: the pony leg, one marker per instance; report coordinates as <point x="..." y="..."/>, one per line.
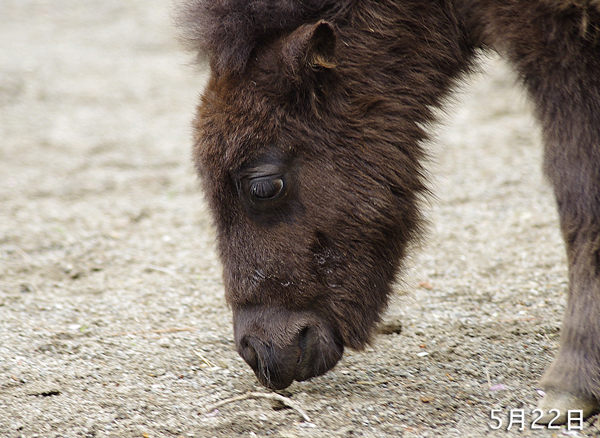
<point x="562" y="75"/>
<point x="568" y="102"/>
<point x="572" y="162"/>
<point x="555" y="47"/>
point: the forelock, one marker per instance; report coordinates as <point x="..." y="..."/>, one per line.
<point x="226" y="31"/>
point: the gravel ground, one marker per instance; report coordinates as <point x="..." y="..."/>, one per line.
<point x="112" y="317"/>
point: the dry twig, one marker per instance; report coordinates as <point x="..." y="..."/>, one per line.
<point x="161" y="269"/>
<point x="205" y="360"/>
<point x="23" y="254"/>
<point x="270" y="396"/>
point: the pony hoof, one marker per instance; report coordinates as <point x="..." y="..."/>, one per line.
<point x="563" y="402"/>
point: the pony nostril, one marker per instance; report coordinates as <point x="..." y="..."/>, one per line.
<point x="273" y="365"/>
<point x="248" y="352"/>
<point x="318" y="351"/>
<point x="303" y="343"/>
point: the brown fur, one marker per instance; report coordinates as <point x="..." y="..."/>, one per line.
<point x="328" y="117"/>
<point x="228" y="30"/>
<point x="560" y="68"/>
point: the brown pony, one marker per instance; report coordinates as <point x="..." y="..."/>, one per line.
<point x="309" y="140"/>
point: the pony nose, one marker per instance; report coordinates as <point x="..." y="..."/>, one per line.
<point x="306" y="356"/>
<point x="275" y="367"/>
<point x="282" y="345"/>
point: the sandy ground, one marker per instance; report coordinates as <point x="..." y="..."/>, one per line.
<point x="112" y="321"/>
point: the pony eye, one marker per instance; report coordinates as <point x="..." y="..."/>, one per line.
<point x="265" y="188"/>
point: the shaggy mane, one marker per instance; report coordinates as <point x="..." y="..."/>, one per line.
<point x="226" y="31"/>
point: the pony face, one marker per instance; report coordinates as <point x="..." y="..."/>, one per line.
<point x="313" y="206"/>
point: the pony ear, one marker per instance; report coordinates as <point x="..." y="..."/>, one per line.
<point x="311" y="45"/>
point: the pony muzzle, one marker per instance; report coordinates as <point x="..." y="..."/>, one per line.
<point x="282" y="345"/>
